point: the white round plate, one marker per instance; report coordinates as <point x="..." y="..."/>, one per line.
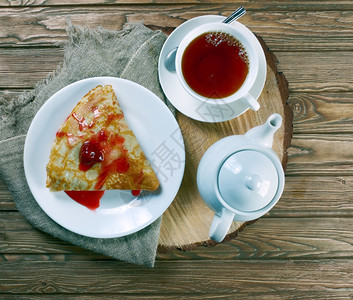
<point x="120" y="213"/>
<point x="182" y="100"/>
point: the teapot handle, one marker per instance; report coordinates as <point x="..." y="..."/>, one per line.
<point x="221" y="224"/>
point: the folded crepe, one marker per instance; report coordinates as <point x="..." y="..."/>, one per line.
<point x="95" y="149"/>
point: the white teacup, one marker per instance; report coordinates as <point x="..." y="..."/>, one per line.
<point x="248" y="42"/>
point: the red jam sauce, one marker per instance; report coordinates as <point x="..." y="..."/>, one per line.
<point x="71" y="138"/>
<point x="102" y="148"/>
<point x="60" y="134"/>
<point x="136" y="192"/>
<point x="82" y="124"/>
<point x="90" y="154"/>
<point x="119" y="165"/>
<point x="89" y="199"/>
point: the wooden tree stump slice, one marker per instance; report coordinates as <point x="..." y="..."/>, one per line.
<point x="187" y="221"/>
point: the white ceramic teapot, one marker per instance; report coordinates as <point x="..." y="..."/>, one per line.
<point x="240" y="177"/>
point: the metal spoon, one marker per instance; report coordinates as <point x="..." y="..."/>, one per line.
<point x="169" y="62"/>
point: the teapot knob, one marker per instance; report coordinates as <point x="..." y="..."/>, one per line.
<point x="253" y="182"/>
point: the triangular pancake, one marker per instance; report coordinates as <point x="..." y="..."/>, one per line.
<point x="96" y="150"/>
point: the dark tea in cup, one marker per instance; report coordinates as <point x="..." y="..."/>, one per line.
<point x="215" y="65"/>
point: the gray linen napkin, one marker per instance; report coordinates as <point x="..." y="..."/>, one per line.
<point x="131" y="53"/>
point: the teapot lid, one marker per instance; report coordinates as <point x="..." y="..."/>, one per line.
<point x="248" y="180"/>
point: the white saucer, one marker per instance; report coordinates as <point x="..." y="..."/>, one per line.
<point x="182" y="100"/>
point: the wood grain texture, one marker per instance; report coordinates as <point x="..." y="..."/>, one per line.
<point x="316" y="196"/>
<point x="324" y="155"/>
<point x="268" y="238"/>
<point x="22" y="68"/>
<point x="282" y="30"/>
<point x="330" y="278"/>
<point x="322" y="113"/>
<point x="250" y="5"/>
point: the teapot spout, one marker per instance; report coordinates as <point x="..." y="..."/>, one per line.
<point x="264" y="133"/>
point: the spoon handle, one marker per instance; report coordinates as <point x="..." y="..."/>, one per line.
<point x="235" y="15"/>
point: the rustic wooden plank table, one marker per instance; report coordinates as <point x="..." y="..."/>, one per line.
<point x="302" y="249"/>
